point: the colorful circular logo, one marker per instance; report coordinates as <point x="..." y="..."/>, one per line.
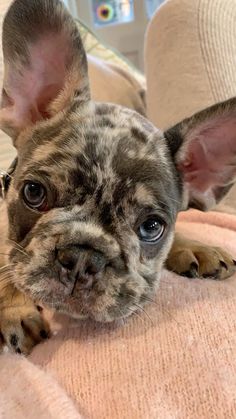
<point x="105" y="12"/>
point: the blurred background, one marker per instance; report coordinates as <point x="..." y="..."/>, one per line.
<point x="118" y="23"/>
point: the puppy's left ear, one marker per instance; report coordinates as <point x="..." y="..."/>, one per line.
<point x="45" y="65"/>
<point x="204" y="150"/>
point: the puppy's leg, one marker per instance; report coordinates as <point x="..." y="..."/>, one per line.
<point x="21" y="323"/>
<point x="194" y="259"/>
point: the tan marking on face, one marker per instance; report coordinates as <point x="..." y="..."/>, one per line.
<point x="43" y="152"/>
<point x="140" y="154"/>
<point x="143" y="195"/>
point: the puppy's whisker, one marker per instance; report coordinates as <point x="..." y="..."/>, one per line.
<point x="15" y="243"/>
<point x="5" y="272"/>
<point x="19" y="248"/>
<point x="144" y="311"/>
<point x="171" y="316"/>
<point x="135" y="313"/>
<point x="21" y="251"/>
<point x="149" y="299"/>
<point x="4" y="172"/>
<point x="122" y="317"/>
<point x="139" y="307"/>
<point x="5" y="267"/>
<point x="5" y="277"/>
<point x="5" y="281"/>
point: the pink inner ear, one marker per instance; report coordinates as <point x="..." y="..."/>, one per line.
<point x="33" y="88"/>
<point x="210" y="159"/>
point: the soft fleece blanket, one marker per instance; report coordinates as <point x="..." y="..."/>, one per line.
<point x="177" y="360"/>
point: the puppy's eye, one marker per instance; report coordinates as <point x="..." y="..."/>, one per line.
<point x="34" y="195"/>
<point x="151" y="230"/>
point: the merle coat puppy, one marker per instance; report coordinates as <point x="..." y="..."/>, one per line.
<point x="91" y="202"/>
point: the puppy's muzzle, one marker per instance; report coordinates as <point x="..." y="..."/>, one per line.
<point x="84" y="265"/>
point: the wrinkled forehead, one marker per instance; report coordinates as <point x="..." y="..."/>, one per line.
<point x="101" y="131"/>
<point x="108" y="147"/>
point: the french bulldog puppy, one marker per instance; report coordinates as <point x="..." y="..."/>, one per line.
<point x="90" y="204"/>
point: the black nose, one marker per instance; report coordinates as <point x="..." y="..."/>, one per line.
<point x="81" y="262"/>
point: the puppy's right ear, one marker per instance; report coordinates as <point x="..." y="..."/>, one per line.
<point x="203" y="148"/>
<point x="45" y="65"/>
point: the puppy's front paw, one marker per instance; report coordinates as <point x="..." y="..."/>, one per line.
<point x="194" y="259"/>
<point x="22" y="325"/>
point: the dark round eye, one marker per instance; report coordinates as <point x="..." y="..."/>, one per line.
<point x="151" y="230"/>
<point x="34" y="195"/>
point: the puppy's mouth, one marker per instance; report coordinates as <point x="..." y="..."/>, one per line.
<point x="104" y="298"/>
<point x="110" y="294"/>
<point x="102" y="305"/>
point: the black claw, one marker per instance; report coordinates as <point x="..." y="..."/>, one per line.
<point x="234" y="261"/>
<point x="223" y="264"/>
<point x="188" y="274"/>
<point x="18" y="351"/>
<point x="192" y="272"/>
<point x="14" y="340"/>
<point x="194" y="266"/>
<point x="213" y="275"/>
<point x="43" y="334"/>
<point x="40" y="309"/>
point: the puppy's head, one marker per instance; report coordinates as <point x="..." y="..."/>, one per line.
<point x="96" y="190"/>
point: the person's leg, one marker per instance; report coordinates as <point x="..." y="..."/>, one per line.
<point x="190" y="60"/>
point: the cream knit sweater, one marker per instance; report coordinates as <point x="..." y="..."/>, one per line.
<point x="190" y="59"/>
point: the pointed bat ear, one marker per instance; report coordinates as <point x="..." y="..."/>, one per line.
<point x="204" y="150"/>
<point x="45" y="65"/>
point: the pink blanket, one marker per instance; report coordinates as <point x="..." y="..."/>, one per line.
<point x="175" y="360"/>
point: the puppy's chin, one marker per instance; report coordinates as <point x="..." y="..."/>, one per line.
<point x="129" y="296"/>
<point x="110" y="297"/>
